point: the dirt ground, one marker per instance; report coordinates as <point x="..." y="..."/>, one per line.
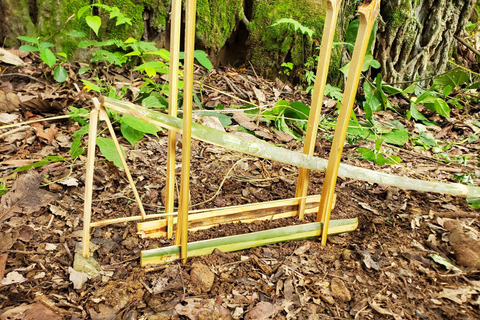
<point x="386" y="269"/>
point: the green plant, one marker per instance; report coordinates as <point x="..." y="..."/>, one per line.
<point x="296" y="25"/>
<point x="46" y="55"/>
<point x="288" y="67"/>
<point x="379" y="156"/>
<point x="95" y="22"/>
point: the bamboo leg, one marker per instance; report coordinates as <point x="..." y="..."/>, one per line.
<point x="104" y="116"/>
<point x="333" y="7"/>
<point x="87" y="205"/>
<point x="181" y="236"/>
<point x="368" y="14"/>
<point x="172" y="109"/>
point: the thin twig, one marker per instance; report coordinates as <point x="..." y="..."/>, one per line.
<point x="24" y="128"/>
<point x="26" y="76"/>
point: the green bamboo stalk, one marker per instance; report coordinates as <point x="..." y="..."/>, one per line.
<point x="246" y="241"/>
<point x="265" y="150"/>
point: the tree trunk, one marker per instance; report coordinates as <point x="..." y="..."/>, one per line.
<point x="416" y="37"/>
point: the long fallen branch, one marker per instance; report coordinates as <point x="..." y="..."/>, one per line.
<point x="262" y="149"/>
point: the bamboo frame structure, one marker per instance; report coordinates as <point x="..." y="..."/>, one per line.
<point x="368" y="14"/>
<point x="333" y="8"/>
<point x="99" y="113"/>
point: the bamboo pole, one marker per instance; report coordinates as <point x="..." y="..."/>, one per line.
<point x="87" y="204"/>
<point x="182" y="229"/>
<point x="368" y="14"/>
<point x="172" y="108"/>
<point x="262" y="149"/>
<point x="104" y="116"/>
<point x="333" y="7"/>
<point x="246" y="241"/>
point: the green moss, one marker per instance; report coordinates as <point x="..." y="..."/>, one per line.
<point x="216" y="20"/>
<point x="274" y="45"/>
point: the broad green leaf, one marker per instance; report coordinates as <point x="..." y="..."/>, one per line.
<point x="135" y="53"/>
<point x="48" y="57"/>
<point x="475" y="85"/>
<point x="366" y="154"/>
<point x="447" y="90"/>
<point x="155" y="66"/>
<point x="83" y="70"/>
<point x="396" y="137"/>
<point x="75" y="149"/>
<point x="60" y="74"/>
<point x="410" y="89"/>
<point x="131" y="134"/>
<point x="442" y="108"/>
<point x="444" y="262"/>
<point x="28" y="48"/>
<point x="427" y="138"/>
<point x="139" y="124"/>
<point x="45" y="45"/>
<point x="223" y="118"/>
<point x="94" y="22"/>
<point x="473" y="202"/>
<point x="91" y="86"/>
<point x="108" y="150"/>
<point x="391" y="89"/>
<point x="415" y="113"/>
<point x="47" y="160"/>
<point x="130" y="40"/>
<point x="164" y="54"/>
<point x="152" y="102"/>
<point x="87" y="43"/>
<point x="82" y="10"/>
<point x="453" y="78"/>
<point x="80" y="132"/>
<point x="111" y="58"/>
<point x="202" y="58"/>
<point x="29" y="39"/>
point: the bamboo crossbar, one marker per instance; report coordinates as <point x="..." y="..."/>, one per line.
<point x="247" y="213"/>
<point x="246" y="241"/>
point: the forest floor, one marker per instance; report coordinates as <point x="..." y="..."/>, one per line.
<point x="383" y="270"/>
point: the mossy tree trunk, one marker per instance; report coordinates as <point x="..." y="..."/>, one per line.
<point x="416" y="37"/>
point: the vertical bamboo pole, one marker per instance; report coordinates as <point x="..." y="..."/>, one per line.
<point x="181" y="235"/>
<point x="87" y="204"/>
<point x="172" y="109"/>
<point x="368" y="14"/>
<point x="333" y="7"/>
<point x="104" y="116"/>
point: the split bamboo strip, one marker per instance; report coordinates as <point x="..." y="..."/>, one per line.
<point x="333" y="8"/>
<point x="184" y="199"/>
<point x="262" y="149"/>
<point x="104" y="116"/>
<point x="246" y="213"/>
<point x="106" y="222"/>
<point x="246" y="241"/>
<point x="176" y="18"/>
<point x="368" y="14"/>
<point x="87" y="204"/>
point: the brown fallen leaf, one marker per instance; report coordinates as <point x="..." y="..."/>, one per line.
<point x="263" y="310"/>
<point x="25" y="196"/>
<point x="245" y="121"/>
<point x="10" y="58"/>
<point x="3" y="264"/>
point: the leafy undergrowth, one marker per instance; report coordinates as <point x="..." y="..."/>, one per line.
<point x="414" y="255"/>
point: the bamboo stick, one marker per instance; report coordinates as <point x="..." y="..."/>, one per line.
<point x="265" y="150"/>
<point x="90" y="165"/>
<point x="172" y="108"/>
<point x="368" y="14"/>
<point x="247" y="213"/>
<point x="182" y="234"/>
<point x="333" y="7"/>
<point x="104" y="116"/>
<point x="246" y="241"/>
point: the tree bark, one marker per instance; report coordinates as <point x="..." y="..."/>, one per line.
<point x="416" y="37"/>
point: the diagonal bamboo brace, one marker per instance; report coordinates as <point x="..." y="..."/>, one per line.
<point x="172" y="108"/>
<point x="333" y="8"/>
<point x="368" y="14"/>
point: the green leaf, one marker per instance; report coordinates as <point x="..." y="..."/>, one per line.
<point x="45" y="45"/>
<point x="473" y="202"/>
<point x="366" y="154"/>
<point x="94" y="22"/>
<point x="202" y="58"/>
<point x="47" y="160"/>
<point x="223" y="118"/>
<point x="29" y="39"/>
<point x="131" y="134"/>
<point x="415" y="113"/>
<point x="87" y="43"/>
<point x="444" y="262"/>
<point x="453" y="78"/>
<point x="107" y="148"/>
<point x="155" y="66"/>
<point x="80" y="132"/>
<point x="60" y="74"/>
<point x="139" y="124"/>
<point x="396" y="137"/>
<point x="447" y="90"/>
<point x="76" y="34"/>
<point x="82" y="10"/>
<point x="75" y="149"/>
<point x="427" y="139"/>
<point x="91" y="86"/>
<point x="28" y="48"/>
<point x="83" y="70"/>
<point x="410" y="89"/>
<point x="297" y="26"/>
<point x="442" y="108"/>
<point x="111" y="58"/>
<point x="152" y="102"/>
<point x="48" y="57"/>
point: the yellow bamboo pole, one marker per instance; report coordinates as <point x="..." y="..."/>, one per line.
<point x="333" y="7"/>
<point x="181" y="234"/>
<point x="172" y="108"/>
<point x="368" y="14"/>
<point x="104" y="116"/>
<point x="87" y="204"/>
